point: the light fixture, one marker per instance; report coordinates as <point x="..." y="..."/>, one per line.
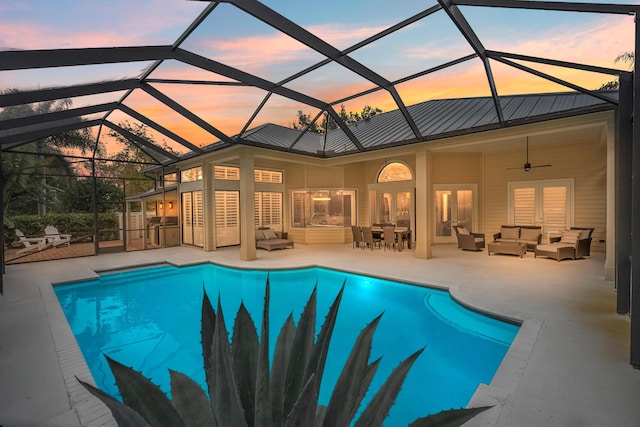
<point x="318" y="199"/>
<point x="170" y="205"/>
<point x="160" y="205"/>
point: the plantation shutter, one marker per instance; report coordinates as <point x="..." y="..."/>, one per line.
<point x="524" y="206"/>
<point x="227" y="218"/>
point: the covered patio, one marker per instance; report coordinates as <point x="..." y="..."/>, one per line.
<point x="212" y="87"/>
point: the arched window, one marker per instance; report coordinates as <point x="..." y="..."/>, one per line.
<point x="395" y="171"/>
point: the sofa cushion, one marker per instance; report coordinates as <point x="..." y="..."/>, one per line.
<point x="510" y="232"/>
<point x="259" y="235"/>
<point x="529" y="234"/>
<point x="570" y="237"/>
<point x="462" y="230"/>
<point x="269" y="234"/>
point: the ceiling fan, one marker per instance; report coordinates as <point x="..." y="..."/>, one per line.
<point x="528" y="166"/>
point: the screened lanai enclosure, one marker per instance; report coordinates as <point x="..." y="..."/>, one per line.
<point x="106" y="105"/>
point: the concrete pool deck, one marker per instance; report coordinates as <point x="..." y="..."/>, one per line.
<point x="569" y="366"/>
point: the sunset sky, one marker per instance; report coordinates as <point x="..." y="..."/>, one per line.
<point x="234" y="38"/>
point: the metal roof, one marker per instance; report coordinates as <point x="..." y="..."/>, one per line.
<point x="435" y="120"/>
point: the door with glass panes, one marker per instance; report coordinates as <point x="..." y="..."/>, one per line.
<point x="455" y="204"/>
<point x="192" y="218"/>
<point x="548" y="203"/>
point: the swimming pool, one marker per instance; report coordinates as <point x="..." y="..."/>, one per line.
<point x="150" y="319"/>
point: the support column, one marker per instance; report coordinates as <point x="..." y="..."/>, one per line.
<point x="635" y="213"/>
<point x="208" y="196"/>
<point x="247" y="220"/>
<point x="423" y="213"/>
<point x="624" y="146"/>
<point x="610" y="241"/>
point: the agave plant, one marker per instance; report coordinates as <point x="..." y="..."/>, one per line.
<point x="244" y="389"/>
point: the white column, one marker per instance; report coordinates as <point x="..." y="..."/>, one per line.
<point x="247" y="220"/>
<point x="423" y="216"/>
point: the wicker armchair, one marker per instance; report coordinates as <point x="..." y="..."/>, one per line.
<point x="469" y="241"/>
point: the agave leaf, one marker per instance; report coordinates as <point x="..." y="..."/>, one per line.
<point x="279" y="368"/>
<point x="244" y="350"/>
<point x="304" y="409"/>
<point x="450" y="418"/>
<point x="191" y="402"/>
<point x="300" y="353"/>
<point x="124" y="416"/>
<point x="366" y="380"/>
<point x="208" y="327"/>
<point x="263" y="412"/>
<point x="319" y="356"/>
<point x="342" y="405"/>
<point x="321" y="412"/>
<point x="223" y="390"/>
<point x="144" y="397"/>
<point x="378" y="409"/>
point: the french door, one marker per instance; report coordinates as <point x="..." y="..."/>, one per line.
<point x="548" y="203"/>
<point x="455" y="204"/>
<point x="192" y="218"/>
<point x="227" y="218"/>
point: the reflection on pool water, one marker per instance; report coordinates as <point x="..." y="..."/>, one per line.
<point x="150" y="319"/>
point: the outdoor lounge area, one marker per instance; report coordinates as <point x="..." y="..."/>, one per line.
<point x="486" y="148"/>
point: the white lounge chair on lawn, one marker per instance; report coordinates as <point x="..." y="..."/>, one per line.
<point x="54" y="237"/>
<point x="30" y="243"/>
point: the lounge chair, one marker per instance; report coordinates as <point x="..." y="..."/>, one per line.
<point x="30" y="243"/>
<point x="468" y="241"/>
<point x="54" y="238"/>
<point x="268" y="239"/>
<point x="573" y="244"/>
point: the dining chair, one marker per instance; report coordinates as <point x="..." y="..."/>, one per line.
<point x="389" y="237"/>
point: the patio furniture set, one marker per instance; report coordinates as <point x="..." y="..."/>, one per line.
<point x="51" y="238"/>
<point x="381" y="235"/>
<point x="516" y="240"/>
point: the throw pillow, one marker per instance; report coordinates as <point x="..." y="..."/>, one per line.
<point x="570" y="237"/>
<point x="462" y="230"/>
<point x="584" y="234"/>
<point x="510" y="232"/>
<point x="269" y="234"/>
<point x="259" y="235"/>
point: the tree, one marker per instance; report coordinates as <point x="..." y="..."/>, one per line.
<point x="329" y="124"/>
<point x="626" y="57"/>
<point x="303" y="121"/>
<point x="130" y="160"/>
<point x="32" y="183"/>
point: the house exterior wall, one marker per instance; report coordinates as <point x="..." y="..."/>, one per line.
<point x="490" y="160"/>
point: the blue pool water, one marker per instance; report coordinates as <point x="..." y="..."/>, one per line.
<point x="150" y="319"/>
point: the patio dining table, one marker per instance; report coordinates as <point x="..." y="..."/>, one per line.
<point x="402" y="234"/>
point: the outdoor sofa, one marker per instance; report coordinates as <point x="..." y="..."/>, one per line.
<point x="268" y="239"/>
<point x="529" y="234"/>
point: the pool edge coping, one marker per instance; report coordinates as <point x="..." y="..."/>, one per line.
<point x="91" y="411"/>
